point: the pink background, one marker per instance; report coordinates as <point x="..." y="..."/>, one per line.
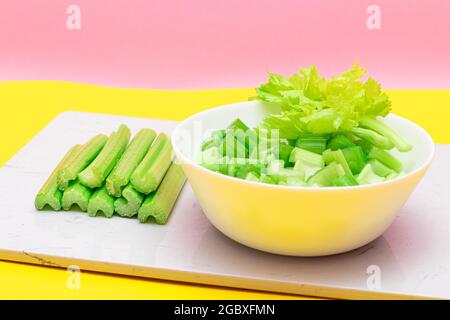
<point x="232" y="43"/>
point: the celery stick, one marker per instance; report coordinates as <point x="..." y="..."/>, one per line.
<point x="148" y="175"/>
<point x="340" y="141"/>
<point x="85" y="155"/>
<point x="338" y="157"/>
<point x="130" y="202"/>
<point x="133" y="155"/>
<point x="327" y="176"/>
<point x="306" y="157"/>
<point x="101" y="201"/>
<point x="251" y="177"/>
<point x="373" y="137"/>
<point x="355" y="158"/>
<point x="379" y="168"/>
<point x="368" y="176"/>
<point x="316" y="143"/>
<point x="49" y="194"/>
<point x="345" y="181"/>
<point x="95" y="174"/>
<point x="386" y="158"/>
<point x="159" y="204"/>
<point x="77" y="194"/>
<point x="399" y="142"/>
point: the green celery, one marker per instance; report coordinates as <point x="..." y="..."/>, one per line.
<point x="373" y="137"/>
<point x="95" y="174"/>
<point x="340" y="141"/>
<point x="316" y="143"/>
<point x="233" y="148"/>
<point x="355" y="158"/>
<point x="85" y="155"/>
<point x="49" y="194"/>
<point x="101" y="201"/>
<point x="327" y="176"/>
<point x="307" y="157"/>
<point x="76" y="194"/>
<point x="345" y="181"/>
<point x="386" y="158"/>
<point x="338" y="157"/>
<point x="130" y="202"/>
<point x="148" y="175"/>
<point x="160" y="203"/>
<point x="368" y="176"/>
<point x="399" y="142"/>
<point x="132" y="157"/>
<point x="284" y="152"/>
<point x="251" y="177"/>
<point x="379" y="168"/>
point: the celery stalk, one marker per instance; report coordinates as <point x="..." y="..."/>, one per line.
<point x="130" y="202"/>
<point x="399" y="142"/>
<point x="85" y="155"/>
<point x="327" y="176"/>
<point x="148" y="175"/>
<point x="101" y="201"/>
<point x="373" y="137"/>
<point x="49" y="194"/>
<point x="386" y="158"/>
<point x="368" y="176"/>
<point x="379" y="168"/>
<point x="313" y="142"/>
<point x="346" y="181"/>
<point x="132" y="157"/>
<point x="95" y="174"/>
<point x="159" y="204"/>
<point x="338" y="157"/>
<point x="340" y="141"/>
<point x="77" y="194"/>
<point x="355" y="158"/>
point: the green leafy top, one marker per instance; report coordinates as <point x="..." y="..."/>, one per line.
<point x="310" y="103"/>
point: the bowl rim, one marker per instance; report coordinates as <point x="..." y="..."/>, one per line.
<point x="198" y="115"/>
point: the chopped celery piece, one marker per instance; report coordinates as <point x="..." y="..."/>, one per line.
<point x="267" y="179"/>
<point x="76" y="194"/>
<point x="233" y="148"/>
<point x="307" y="163"/>
<point x="379" y="168"/>
<point x="101" y="201"/>
<point x="49" y="194"/>
<point x="365" y="145"/>
<point x="306" y="157"/>
<point x="275" y="166"/>
<point x="284" y="152"/>
<point x="368" y="176"/>
<point x="148" y="175"/>
<point x="130" y="202"/>
<point x="355" y="158"/>
<point x="386" y="158"/>
<point x="399" y="142"/>
<point x="95" y="174"/>
<point x="338" y="157"/>
<point x="305" y="169"/>
<point x="327" y="176"/>
<point x="132" y="157"/>
<point x="243" y="170"/>
<point x="345" y="181"/>
<point x="295" y="181"/>
<point x="160" y="203"/>
<point x="373" y="137"/>
<point x="238" y="124"/>
<point x="316" y="143"/>
<point x="85" y="155"/>
<point x="251" y="177"/>
<point x="393" y="175"/>
<point x="340" y="141"/>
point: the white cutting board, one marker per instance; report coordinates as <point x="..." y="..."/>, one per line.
<point x="411" y="259"/>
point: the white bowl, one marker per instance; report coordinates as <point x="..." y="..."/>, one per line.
<point x="297" y="221"/>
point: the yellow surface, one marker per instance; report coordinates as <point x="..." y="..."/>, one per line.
<point x="26" y="107"/>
